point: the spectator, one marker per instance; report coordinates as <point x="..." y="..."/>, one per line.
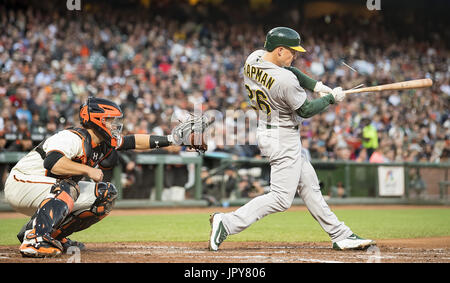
<point x="23" y="140"/>
<point x="338" y="191"/>
<point x="211" y="187"/>
<point x="133" y="178"/>
<point x="343" y="151"/>
<point x="416" y="183"/>
<point x="369" y="136"/>
<point x="4" y="168"/>
<point x="249" y="188"/>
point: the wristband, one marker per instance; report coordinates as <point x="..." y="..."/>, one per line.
<point x="129" y="142"/>
<point x="159" y="141"/>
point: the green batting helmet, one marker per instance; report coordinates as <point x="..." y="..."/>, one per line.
<point x="283" y="36"/>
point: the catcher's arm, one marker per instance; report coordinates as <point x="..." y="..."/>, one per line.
<point x="188" y="133"/>
<point x="145" y="141"/>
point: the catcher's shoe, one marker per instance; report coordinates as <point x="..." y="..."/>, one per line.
<point x="353" y="242"/>
<point x="218" y="232"/>
<point x="39" y="246"/>
<point x="67" y="243"/>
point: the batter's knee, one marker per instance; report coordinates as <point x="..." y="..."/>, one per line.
<point x="285" y="205"/>
<point x="283" y="201"/>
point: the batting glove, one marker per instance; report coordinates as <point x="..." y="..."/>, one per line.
<point x="338" y="94"/>
<point x="322" y="89"/>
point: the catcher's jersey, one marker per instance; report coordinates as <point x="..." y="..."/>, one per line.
<point x="274" y="91"/>
<point x="73" y="143"/>
<point x="65" y="142"/>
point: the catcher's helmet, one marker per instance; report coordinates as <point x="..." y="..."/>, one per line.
<point x="93" y="116"/>
<point x="283" y="36"/>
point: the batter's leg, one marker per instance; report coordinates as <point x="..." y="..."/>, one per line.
<point x="285" y="164"/>
<point x="284" y="177"/>
<point x="309" y="191"/>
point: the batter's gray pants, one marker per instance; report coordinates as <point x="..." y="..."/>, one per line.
<point x="291" y="172"/>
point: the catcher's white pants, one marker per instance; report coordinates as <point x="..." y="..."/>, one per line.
<point x="26" y="192"/>
<point x="291" y="172"/>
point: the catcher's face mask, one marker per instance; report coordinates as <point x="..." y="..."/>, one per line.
<point x="115" y="126"/>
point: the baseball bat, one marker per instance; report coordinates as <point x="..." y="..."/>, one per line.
<point x="394" y="86"/>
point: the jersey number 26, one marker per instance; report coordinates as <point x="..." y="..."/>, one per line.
<point x="258" y="100"/>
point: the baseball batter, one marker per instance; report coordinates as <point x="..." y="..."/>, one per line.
<point x="275" y="90"/>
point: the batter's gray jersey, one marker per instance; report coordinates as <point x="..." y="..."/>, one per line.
<point x="274" y="91"/>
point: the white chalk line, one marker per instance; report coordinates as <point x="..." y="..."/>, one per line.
<point x="276" y="254"/>
<point x="164" y="251"/>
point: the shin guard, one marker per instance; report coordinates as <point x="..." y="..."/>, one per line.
<point x="36" y="234"/>
<point x="52" y="210"/>
<point x="106" y="194"/>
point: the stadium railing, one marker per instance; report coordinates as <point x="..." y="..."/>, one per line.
<point x="416" y="181"/>
<point x="402" y="182"/>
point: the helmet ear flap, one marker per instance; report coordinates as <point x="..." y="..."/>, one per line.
<point x="84" y="116"/>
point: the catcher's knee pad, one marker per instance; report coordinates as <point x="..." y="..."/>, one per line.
<point x="67" y="191"/>
<point x="54" y="209"/>
<point x="106" y="194"/>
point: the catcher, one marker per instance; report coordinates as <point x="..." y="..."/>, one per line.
<point x="47" y="185"/>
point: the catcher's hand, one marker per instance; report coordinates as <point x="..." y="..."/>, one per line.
<point x="191" y="133"/>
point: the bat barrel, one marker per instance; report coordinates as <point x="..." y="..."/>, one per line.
<point x="421" y="83"/>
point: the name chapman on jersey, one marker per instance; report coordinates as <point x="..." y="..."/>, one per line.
<point x="258" y="75"/>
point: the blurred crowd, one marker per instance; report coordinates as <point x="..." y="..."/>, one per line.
<point x="156" y="66"/>
<point x="412" y="125"/>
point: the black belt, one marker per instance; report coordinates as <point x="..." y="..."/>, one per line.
<point x="287" y="127"/>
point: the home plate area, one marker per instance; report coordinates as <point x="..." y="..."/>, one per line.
<point x="387" y="251"/>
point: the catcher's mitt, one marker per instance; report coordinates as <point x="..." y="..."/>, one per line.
<point x="191" y="132"/>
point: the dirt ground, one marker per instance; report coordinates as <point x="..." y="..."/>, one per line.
<point x="423" y="250"/>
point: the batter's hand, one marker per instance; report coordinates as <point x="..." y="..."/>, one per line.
<point x="95" y="174"/>
<point x="338" y="94"/>
<point x="322" y="89"/>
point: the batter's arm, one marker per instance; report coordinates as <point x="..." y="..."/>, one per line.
<point x="308" y="83"/>
<point x="311" y="107"/>
<point x="304" y="80"/>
